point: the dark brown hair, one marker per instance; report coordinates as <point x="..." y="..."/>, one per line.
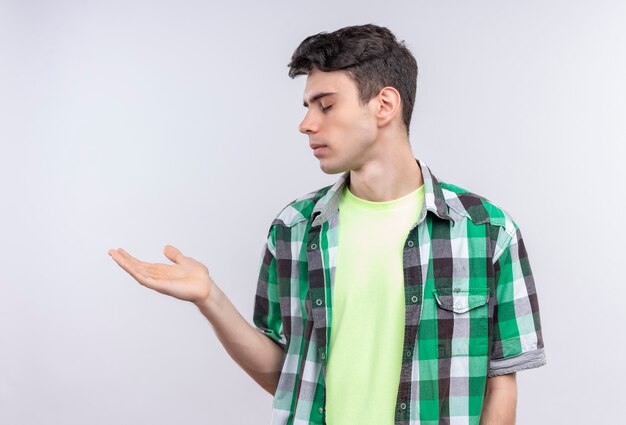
<point x="369" y="54"/>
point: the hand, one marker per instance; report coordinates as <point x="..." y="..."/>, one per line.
<point x="186" y="279"/>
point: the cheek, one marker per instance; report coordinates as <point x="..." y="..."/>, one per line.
<point x="358" y="124"/>
<point x="364" y="127"/>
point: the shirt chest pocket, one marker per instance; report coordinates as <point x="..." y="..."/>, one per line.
<point x="462" y="321"/>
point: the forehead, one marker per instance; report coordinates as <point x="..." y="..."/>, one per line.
<point x="333" y="81"/>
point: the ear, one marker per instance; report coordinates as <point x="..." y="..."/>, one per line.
<point x="388" y="105"/>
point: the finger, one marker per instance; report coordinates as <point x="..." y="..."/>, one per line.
<point x="141" y="265"/>
<point x="128" y="256"/>
<point x="173" y="254"/>
<point x="132" y="269"/>
<point x="153" y="276"/>
<point x="153" y="270"/>
<point x="137" y="269"/>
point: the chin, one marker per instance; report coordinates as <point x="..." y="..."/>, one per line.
<point x="329" y="169"/>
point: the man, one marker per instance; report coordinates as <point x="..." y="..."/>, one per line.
<point x="418" y="309"/>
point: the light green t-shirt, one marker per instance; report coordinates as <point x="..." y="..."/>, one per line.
<point x="367" y="333"/>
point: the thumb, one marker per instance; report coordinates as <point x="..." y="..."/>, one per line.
<point x="173" y="254"/>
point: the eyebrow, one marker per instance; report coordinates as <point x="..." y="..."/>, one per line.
<point x="316" y="97"/>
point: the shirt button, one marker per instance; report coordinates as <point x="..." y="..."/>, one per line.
<point x="313" y="246"/>
<point x="408" y="353"/>
<point x="318" y="302"/>
<point x="403" y="406"/>
<point x="410" y="243"/>
<point x="321" y="410"/>
<point x="323" y="356"/>
<point x="414" y="298"/>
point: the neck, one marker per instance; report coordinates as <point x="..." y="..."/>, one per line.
<point x="389" y="175"/>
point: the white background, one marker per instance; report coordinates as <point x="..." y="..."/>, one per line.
<point x="140" y="123"/>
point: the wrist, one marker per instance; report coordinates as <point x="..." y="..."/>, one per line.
<point x="211" y="301"/>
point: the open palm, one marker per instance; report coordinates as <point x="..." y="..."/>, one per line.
<point x="186" y="279"/>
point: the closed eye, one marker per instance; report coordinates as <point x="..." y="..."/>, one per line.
<point x="324" y="109"/>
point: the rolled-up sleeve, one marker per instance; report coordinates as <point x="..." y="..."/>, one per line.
<point x="267" y="314"/>
<point x="517" y="338"/>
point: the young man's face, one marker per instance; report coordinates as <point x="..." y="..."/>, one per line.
<point x="336" y="120"/>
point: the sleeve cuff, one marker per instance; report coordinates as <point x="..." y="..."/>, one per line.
<point x="528" y="360"/>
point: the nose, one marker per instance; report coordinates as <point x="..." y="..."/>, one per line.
<point x="307" y="126"/>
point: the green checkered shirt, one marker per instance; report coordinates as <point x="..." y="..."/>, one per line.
<point x="471" y="305"/>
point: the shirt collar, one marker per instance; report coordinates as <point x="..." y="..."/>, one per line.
<point x="434" y="201"/>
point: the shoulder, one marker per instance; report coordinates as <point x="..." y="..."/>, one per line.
<point x="477" y="208"/>
<point x="300" y="209"/>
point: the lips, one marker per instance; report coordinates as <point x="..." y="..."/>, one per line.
<point x="316" y="145"/>
<point x="319" y="150"/>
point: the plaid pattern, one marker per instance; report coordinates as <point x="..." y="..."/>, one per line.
<point x="471" y="306"/>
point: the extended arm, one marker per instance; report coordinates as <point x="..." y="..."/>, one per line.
<point x="257" y="354"/>
<point x="189" y="280"/>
